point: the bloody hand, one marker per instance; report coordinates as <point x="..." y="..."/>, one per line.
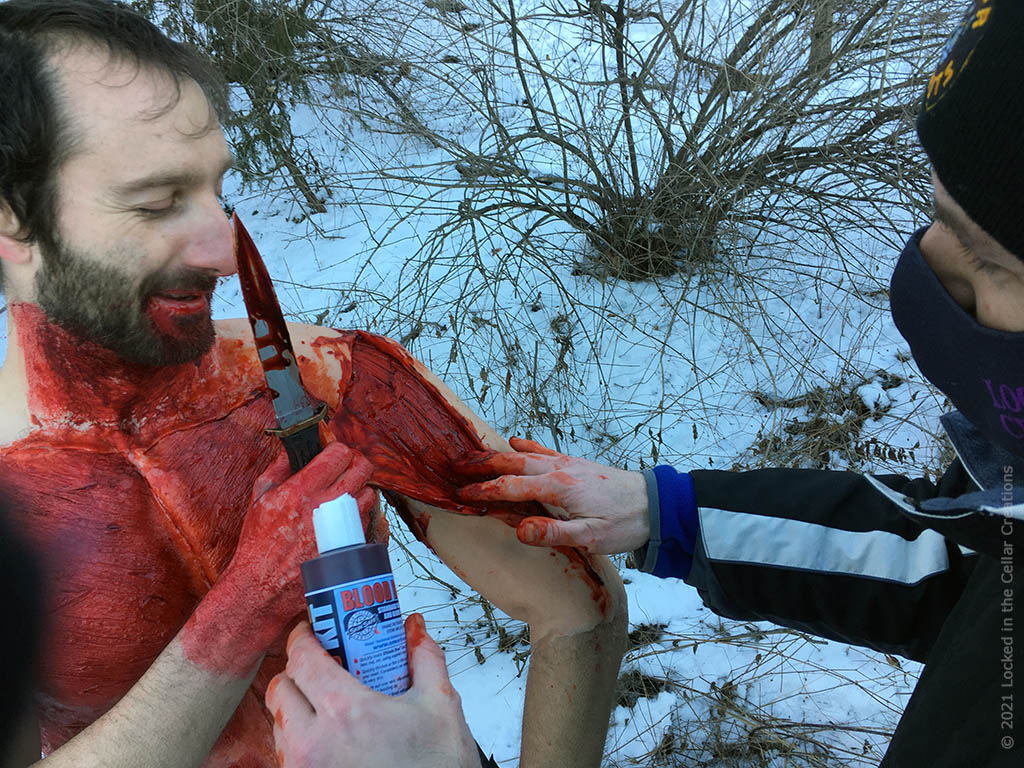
<point x="260" y="591"/>
<point x="325" y="717"/>
<point x="277" y="533"/>
<point x="607" y="507"/>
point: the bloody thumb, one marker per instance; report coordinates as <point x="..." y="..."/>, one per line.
<point x="539" y="532"/>
<point x="427" y="668"/>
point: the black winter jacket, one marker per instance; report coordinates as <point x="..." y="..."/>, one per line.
<point x="929" y="572"/>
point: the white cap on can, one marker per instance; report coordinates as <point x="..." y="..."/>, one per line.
<point x="336" y="523"/>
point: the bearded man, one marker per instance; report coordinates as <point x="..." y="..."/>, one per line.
<point x="133" y="434"/>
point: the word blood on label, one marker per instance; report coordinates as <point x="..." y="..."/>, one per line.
<point x="380" y="592"/>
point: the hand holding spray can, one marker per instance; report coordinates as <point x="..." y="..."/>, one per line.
<point x="353" y="605"/>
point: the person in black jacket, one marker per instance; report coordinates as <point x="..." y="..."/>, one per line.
<point x="928" y="571"/>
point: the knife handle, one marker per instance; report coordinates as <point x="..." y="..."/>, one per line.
<point x="302" y="440"/>
<point x="302" y="446"/>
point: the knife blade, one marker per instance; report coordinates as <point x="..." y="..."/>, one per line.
<point x="298" y="415"/>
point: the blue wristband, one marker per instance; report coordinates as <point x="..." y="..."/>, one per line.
<point x="672" y="504"/>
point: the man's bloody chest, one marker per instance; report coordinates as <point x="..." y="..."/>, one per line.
<point x="136" y="520"/>
<point x="132" y="539"/>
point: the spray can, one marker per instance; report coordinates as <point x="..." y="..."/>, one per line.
<point x="353" y="605"/>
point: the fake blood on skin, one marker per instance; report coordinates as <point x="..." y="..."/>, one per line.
<point x="171" y="313"/>
<point x="136" y="481"/>
<point x="412" y="435"/>
<point x="134" y="486"/>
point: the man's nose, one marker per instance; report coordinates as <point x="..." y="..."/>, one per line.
<point x="211" y="243"/>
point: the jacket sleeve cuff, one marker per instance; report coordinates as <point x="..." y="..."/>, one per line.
<point x="672" y="506"/>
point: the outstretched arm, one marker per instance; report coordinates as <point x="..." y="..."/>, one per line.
<point x="414" y="429"/>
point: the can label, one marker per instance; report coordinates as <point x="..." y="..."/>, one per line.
<point x="360" y="623"/>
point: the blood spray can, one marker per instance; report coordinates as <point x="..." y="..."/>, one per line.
<point x="353" y="605"/>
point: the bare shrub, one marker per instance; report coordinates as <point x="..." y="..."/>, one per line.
<point x="528" y="157"/>
<point x="730" y="719"/>
<point x="675" y="136"/>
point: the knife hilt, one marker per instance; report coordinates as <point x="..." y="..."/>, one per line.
<point x="302" y="441"/>
<point x="302" y="447"/>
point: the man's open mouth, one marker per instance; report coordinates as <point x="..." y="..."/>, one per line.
<point x="180" y="301"/>
<point x="175" y="313"/>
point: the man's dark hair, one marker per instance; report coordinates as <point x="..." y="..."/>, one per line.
<point x="35" y="138"/>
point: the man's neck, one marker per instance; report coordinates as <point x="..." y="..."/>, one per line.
<point x="68" y="383"/>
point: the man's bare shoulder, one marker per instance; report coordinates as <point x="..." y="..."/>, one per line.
<point x="301" y="333"/>
<point x="234" y="328"/>
<point x="427" y="376"/>
<point x="325" y="357"/>
<point x="323" y="354"/>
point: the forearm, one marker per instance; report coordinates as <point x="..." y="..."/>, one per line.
<point x="570" y="693"/>
<point x="169" y="719"/>
<point x="575" y="606"/>
<point x="173" y="715"/>
<point x="826" y="553"/>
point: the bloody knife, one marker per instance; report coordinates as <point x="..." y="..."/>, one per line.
<point x="298" y="415"/>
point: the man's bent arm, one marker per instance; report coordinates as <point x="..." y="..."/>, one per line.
<point x="173" y="715"/>
<point x="577" y="632"/>
<point x="574" y="602"/>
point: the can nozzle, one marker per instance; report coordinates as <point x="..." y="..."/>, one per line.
<point x="336" y="524"/>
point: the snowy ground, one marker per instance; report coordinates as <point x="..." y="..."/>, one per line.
<point x="688" y="372"/>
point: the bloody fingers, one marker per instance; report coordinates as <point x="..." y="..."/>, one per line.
<point x="260" y="591"/>
<point x="606" y="507"/>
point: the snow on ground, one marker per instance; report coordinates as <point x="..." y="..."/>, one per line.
<point x="633" y="373"/>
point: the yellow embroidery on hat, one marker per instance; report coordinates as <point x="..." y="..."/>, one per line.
<point x="958" y="52"/>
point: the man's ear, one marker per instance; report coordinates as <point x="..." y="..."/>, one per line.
<point x="12" y="249"/>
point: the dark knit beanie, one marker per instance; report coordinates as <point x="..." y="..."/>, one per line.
<point x="972" y="121"/>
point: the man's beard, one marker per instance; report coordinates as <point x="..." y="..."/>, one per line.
<point x="104" y="305"/>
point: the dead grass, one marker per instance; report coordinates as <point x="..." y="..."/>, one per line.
<point x="828" y="430"/>
<point x="730" y="720"/>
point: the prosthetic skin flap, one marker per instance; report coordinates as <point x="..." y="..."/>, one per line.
<point x="135" y="481"/>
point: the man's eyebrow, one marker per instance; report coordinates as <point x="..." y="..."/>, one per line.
<point x="169" y="179"/>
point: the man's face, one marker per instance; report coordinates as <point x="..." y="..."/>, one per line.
<point x="141" y="237"/>
<point x="980" y="274"/>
